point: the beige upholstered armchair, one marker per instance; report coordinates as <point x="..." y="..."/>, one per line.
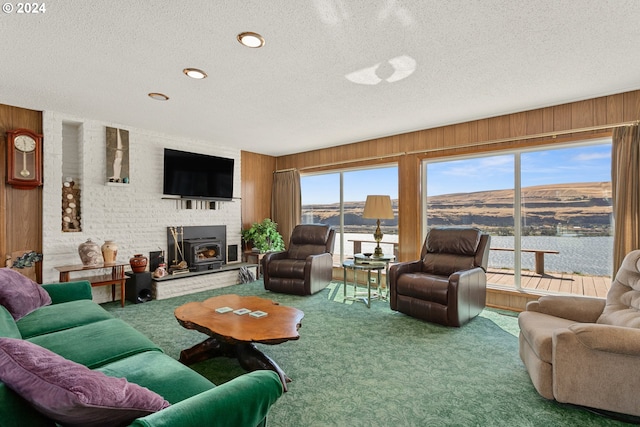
<point x="586" y="351"/>
<point x="306" y="267"/>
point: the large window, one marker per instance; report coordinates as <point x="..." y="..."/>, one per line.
<point x="548" y="211"/>
<point x="338" y="199"/>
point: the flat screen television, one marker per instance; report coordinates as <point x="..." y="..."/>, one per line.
<point x="193" y="175"/>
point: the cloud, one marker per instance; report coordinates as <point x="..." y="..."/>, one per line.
<point x="482" y="167"/>
<point x="586" y="157"/>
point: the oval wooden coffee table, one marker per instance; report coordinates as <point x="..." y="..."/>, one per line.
<point x="234" y="335"/>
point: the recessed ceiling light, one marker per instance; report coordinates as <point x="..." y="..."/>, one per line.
<point x="158" y="96"/>
<point x="194" y="73"/>
<point x="250" y="39"/>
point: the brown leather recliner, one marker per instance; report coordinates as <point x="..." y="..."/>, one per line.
<point x="306" y="267"/>
<point x="448" y="284"/>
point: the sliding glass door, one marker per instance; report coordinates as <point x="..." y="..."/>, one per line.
<point x="548" y="211"/>
<point x="567" y="219"/>
<point x="338" y="199"/>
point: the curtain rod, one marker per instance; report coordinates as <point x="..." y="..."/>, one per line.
<point x="535" y="136"/>
<point x="494" y="141"/>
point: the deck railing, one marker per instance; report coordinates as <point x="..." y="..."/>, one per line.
<point x="540" y="280"/>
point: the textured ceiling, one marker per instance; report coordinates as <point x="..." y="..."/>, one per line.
<point x="332" y="71"/>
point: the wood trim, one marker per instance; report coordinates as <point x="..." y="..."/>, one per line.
<point x="509" y="299"/>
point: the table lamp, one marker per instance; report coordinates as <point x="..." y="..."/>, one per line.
<point x="378" y="207"/>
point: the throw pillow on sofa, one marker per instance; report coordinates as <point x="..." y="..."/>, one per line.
<point x="19" y="294"/>
<point x="70" y="393"/>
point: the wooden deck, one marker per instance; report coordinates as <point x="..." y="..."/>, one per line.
<point x="596" y="286"/>
<point x="501" y="291"/>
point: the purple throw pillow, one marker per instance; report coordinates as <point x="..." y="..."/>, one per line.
<point x="70" y="393"/>
<point x="19" y="294"/>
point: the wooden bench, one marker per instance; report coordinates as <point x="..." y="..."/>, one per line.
<point x="357" y="246"/>
<point x="539" y="256"/>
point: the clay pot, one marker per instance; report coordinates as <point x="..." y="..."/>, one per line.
<point x="138" y="263"/>
<point x="89" y="252"/>
<point x="109" y="252"/>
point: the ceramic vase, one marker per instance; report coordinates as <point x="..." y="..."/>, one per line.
<point x="109" y="252"/>
<point x="89" y="252"/>
<point x="138" y="263"/>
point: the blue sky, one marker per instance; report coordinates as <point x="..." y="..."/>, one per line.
<point x="357" y="184"/>
<point x="566" y="165"/>
<point x="560" y="166"/>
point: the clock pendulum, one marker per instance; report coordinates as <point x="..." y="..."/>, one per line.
<point x="24" y="172"/>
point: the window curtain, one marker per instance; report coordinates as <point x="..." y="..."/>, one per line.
<point x="625" y="189"/>
<point x="286" y="202"/>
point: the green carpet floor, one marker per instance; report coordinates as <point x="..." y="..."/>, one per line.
<point x="354" y="366"/>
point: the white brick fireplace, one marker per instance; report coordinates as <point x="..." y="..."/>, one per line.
<point x="134" y="215"/>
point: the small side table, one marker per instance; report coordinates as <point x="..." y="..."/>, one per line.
<point x="116" y="277"/>
<point x="384" y="258"/>
<point x="258" y="257"/>
<point x="369" y="267"/>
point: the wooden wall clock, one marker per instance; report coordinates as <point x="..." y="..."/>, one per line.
<point x="24" y="159"/>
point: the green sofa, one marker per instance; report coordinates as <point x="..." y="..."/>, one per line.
<point x="78" y="329"/>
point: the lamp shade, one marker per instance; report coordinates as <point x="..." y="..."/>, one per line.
<point x="378" y="207"/>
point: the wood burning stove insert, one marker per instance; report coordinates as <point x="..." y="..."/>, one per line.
<point x="204" y="247"/>
<point x="203" y="254"/>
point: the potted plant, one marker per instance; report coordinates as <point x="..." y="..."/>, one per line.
<point x="263" y="236"/>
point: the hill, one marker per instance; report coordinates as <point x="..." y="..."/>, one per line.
<point x="546" y="209"/>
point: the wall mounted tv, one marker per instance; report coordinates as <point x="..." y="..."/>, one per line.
<point x="193" y="175"/>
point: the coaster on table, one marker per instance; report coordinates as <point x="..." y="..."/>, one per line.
<point x="257" y="313"/>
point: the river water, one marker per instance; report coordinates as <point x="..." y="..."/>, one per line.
<point x="585" y="255"/>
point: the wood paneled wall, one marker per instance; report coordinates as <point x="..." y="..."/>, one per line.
<point x="466" y="137"/>
<point x="21" y="210"/>
<point x="485" y="135"/>
<point x="257" y="179"/>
